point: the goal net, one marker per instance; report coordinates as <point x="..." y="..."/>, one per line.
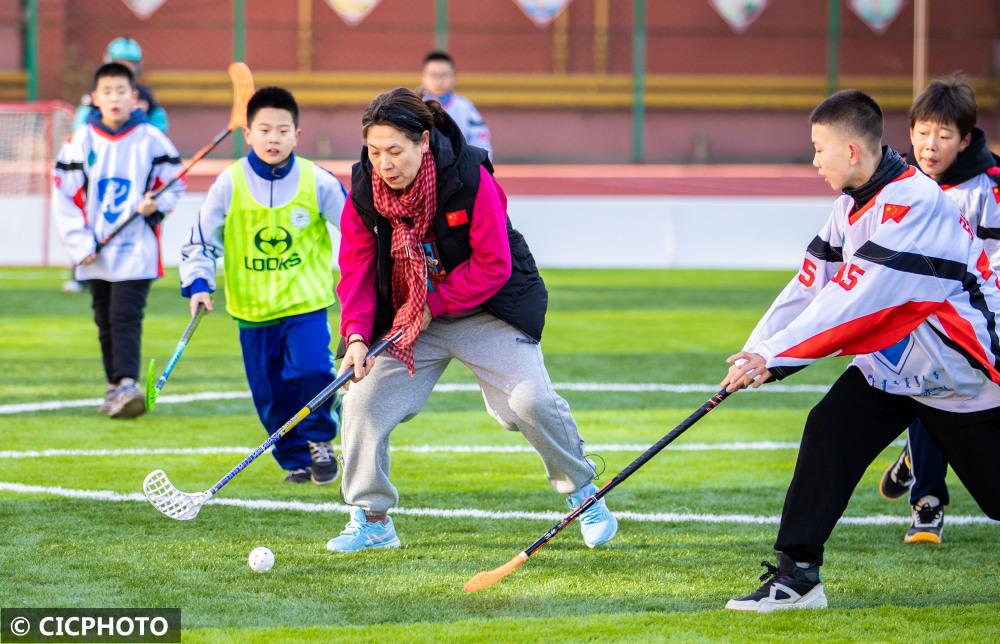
<point x="30" y="137"/>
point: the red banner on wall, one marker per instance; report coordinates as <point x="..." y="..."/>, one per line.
<point x="542" y="12"/>
<point x="877" y="14"/>
<point x="353" y="12"/>
<point x="739" y="13"/>
<point x="144" y="8"/>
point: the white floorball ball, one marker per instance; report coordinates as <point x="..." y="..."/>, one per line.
<point x="261" y="559"/>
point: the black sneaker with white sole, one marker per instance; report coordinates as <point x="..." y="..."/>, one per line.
<point x="898" y="477"/>
<point x="785" y="586"/>
<point x="300" y="475"/>
<point x="325" y="468"/>
<point x="927" y="525"/>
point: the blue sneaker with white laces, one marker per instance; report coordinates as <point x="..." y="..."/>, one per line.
<point x="597" y="524"/>
<point x="361" y="534"/>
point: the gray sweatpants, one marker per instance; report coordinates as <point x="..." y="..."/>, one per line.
<point x="515" y="386"/>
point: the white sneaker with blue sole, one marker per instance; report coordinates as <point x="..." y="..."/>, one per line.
<point x="597" y="524"/>
<point x="362" y="534"/>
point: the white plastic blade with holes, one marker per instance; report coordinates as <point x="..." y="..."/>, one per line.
<point x="169" y="500"/>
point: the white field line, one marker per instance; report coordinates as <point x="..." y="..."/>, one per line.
<point x="416" y="449"/>
<point x="471" y="513"/>
<point x="607" y="387"/>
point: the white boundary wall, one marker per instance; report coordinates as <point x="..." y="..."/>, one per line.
<point x="562" y="231"/>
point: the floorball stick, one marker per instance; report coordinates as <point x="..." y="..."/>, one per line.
<point x="184" y="506"/>
<point x="152" y="391"/>
<point x="487" y="578"/>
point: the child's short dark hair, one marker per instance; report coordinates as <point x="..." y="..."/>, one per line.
<point x="438" y="54"/>
<point x="277" y="97"/>
<point x="947" y="100"/>
<point x="854" y="111"/>
<point x="114" y="70"/>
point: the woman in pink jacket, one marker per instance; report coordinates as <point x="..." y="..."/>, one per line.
<point x="427" y="250"/>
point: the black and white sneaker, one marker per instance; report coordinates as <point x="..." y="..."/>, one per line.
<point x="898" y="477"/>
<point x="325" y="468"/>
<point x="300" y="475"/>
<point x="927" y="525"/>
<point x="785" y="586"/>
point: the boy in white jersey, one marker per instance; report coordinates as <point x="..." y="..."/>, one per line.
<point x="897" y="278"/>
<point x="109" y="169"/>
<point x="949" y="148"/>
<point x="267" y="216"/>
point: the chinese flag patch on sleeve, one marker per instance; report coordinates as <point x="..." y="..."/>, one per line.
<point x="894" y="212"/>
<point x="996" y="193"/>
<point x="457" y="217"/>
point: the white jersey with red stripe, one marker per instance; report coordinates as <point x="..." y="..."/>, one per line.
<point x="979" y="200"/>
<point x="100" y="179"/>
<point x="902" y="283"/>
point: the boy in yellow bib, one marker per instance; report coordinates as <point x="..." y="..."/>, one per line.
<point x="267" y="216"/>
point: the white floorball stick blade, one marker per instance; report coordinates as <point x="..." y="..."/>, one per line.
<point x="169" y="500"/>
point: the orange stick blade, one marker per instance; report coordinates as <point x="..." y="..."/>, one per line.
<point x="489" y="577"/>
<point x="243" y="89"/>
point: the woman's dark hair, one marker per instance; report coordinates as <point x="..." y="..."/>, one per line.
<point x="404" y="110"/>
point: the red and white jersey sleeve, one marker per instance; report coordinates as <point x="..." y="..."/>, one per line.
<point x="914" y="298"/>
<point x="823" y="258"/>
<point x="979" y="200"/>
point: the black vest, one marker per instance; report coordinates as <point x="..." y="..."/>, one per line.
<point x="521" y="302"/>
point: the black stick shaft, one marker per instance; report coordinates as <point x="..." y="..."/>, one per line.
<point x="311" y="406"/>
<point x="630" y="469"/>
<point x="219" y="138"/>
<point x="374" y="351"/>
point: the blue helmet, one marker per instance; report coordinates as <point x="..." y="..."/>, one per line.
<point x="123" y="49"/>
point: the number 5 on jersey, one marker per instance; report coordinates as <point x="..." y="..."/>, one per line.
<point x="847" y="276"/>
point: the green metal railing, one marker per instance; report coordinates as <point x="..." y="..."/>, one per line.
<point x="31" y="48"/>
<point x="832" y="46"/>
<point x="638" y="80"/>
<point x="441" y="25"/>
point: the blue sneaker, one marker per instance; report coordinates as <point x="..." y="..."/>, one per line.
<point x="597" y="524"/>
<point x="360" y="533"/>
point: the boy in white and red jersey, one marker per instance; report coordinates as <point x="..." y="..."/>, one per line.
<point x="949" y="148"/>
<point x="897" y="278"/>
<point x="108" y="170"/>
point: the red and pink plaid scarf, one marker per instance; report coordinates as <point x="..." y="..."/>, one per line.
<point x="411" y="212"/>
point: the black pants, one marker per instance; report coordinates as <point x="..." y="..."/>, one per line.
<point x="929" y="466"/>
<point x="848" y="429"/>
<point x="118" y="310"/>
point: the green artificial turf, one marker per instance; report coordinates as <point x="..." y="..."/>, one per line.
<point x="655" y="581"/>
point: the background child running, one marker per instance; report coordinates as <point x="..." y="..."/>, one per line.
<point x="437" y="75"/>
<point x="108" y="170"/>
<point x="127" y="52"/>
<point x="267" y="216"/>
<point x="949" y="148"/>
